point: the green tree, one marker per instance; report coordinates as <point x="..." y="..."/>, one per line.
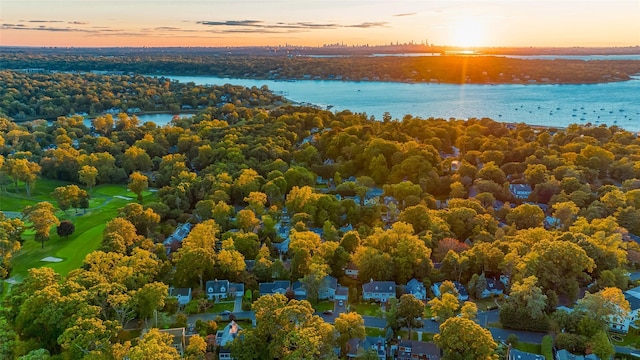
<point x="312" y="281"/>
<point x="605" y="305"/>
<point x="409" y="312"/>
<point x="601" y="346"/>
<point x="462" y="339"/>
<point x="150" y="298"/>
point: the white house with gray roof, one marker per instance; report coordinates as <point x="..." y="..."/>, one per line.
<point x="379" y="290"/>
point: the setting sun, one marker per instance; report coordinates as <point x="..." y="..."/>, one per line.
<point x="468" y="33"/>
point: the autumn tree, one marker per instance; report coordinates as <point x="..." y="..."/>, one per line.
<point x="10" y="242"/>
<point x="42" y="217"/>
<point x="89" y="337"/>
<point x="119" y="235"/>
<point x="526" y="216"/>
<point x="154" y="345"/>
<point x="444" y="307"/>
<point x="88" y="175"/>
<point x="559" y="266"/>
<point x="20" y="169"/>
<point x="137" y="184"/>
<point x="145" y="220"/>
<point x="461" y="339"/>
<point x="349" y="326"/>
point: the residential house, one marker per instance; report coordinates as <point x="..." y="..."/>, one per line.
<point x="351" y="270"/>
<point x="274" y="287"/>
<point x="355" y="347"/>
<point x="514" y="354"/>
<point x="622" y="325"/>
<point x="520" y="191"/>
<point x="565" y="355"/>
<point x="494" y="287"/>
<point x="409" y="350"/>
<point x="328" y="288"/>
<point x="217" y="289"/>
<point x="224" y="337"/>
<point x="379" y="290"/>
<point x="235" y="290"/>
<point x="342" y="293"/>
<point x="182" y="294"/>
<point x="299" y="291"/>
<point x="416" y="288"/>
<point x="176" y="238"/>
<point x="463" y="295"/>
<point x="178" y="340"/>
<point x="222" y="289"/>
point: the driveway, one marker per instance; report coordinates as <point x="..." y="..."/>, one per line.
<point x="237" y="306"/>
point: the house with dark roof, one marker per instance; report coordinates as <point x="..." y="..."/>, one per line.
<point x="410" y="349"/>
<point x="494" y="287"/>
<point x="416" y="288"/>
<point x="299" y="291"/>
<point x="328" y="288"/>
<point x="342" y="293"/>
<point x="217" y="289"/>
<point x="379" y="290"/>
<point x="514" y="354"/>
<point x="182" y="294"/>
<point x="351" y="270"/>
<point x="563" y="354"/>
<point x="221" y="289"/>
<point x="274" y="287"/>
<point x="463" y="295"/>
<point x="176" y="238"/>
<point x="520" y="191"/>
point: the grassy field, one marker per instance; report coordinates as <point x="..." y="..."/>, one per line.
<point x="323" y="305"/>
<point x="374" y="331"/>
<point x="531" y="348"/>
<point x="367" y="309"/>
<point x="89" y="224"/>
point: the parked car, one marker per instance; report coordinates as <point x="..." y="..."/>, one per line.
<point x="328" y="312"/>
<point x="226" y="312"/>
<point x="340" y="303"/>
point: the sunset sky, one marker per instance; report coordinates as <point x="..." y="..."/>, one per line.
<point x="468" y="23"/>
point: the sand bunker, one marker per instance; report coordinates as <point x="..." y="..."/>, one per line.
<point x="52" y="259"/>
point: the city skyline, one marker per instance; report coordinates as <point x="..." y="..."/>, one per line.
<point x="92" y="23"/>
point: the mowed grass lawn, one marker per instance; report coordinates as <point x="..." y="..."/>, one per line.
<point x="89" y="225"/>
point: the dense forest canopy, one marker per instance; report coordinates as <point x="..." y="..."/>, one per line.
<point x="441" y="69"/>
<point x="27" y="96"/>
<point x="234" y="167"/>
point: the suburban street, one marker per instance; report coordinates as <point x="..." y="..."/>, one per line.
<point x="429" y="326"/>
